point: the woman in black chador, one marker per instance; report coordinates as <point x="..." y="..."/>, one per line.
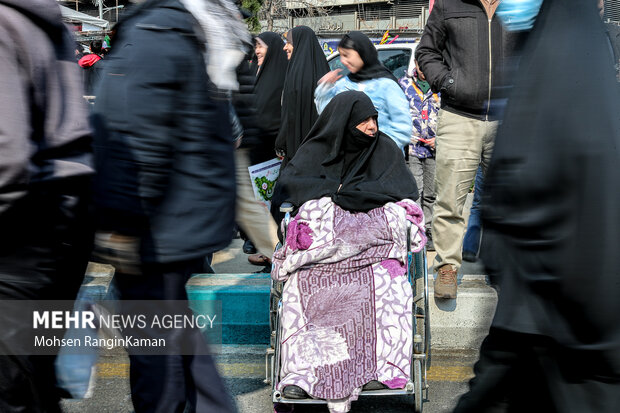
<point x="344" y="158"/>
<point x="307" y="64"/>
<point x="271" y="72"/>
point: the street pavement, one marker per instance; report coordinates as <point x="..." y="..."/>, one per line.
<point x="243" y="370"/>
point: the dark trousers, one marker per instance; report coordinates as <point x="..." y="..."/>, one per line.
<point x="529" y="373"/>
<point x="172" y="383"/>
<point x="45" y="243"/>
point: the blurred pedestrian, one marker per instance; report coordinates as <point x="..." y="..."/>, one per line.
<point x="165" y="175"/>
<point x="367" y="74"/>
<point x="461" y="53"/>
<point x="473" y="235"/>
<point x="257" y="146"/>
<point x="551" y="214"/>
<point x="424" y="106"/>
<point x="45" y="178"/>
<point x="90" y="63"/>
<point x="307" y="64"/>
<point x="613" y="32"/>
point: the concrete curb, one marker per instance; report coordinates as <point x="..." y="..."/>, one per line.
<point x="463" y="323"/>
<point x="459" y="324"/>
<point x="97" y="282"/>
<point x="244" y="304"/>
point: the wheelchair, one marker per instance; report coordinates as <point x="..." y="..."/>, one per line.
<point x="417" y="386"/>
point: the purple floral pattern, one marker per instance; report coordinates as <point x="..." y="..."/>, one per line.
<point x="395" y="268"/>
<point x="298" y="236"/>
<point x="346" y="316"/>
<point x="424" y="108"/>
<point x="396" y="383"/>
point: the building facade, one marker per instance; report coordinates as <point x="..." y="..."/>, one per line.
<point x="329" y="18"/>
<point x="336" y="17"/>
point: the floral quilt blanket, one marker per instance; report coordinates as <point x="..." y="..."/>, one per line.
<point x="347" y="302"/>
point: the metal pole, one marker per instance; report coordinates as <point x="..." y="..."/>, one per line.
<point x="101" y="9"/>
<point x="117" y="11"/>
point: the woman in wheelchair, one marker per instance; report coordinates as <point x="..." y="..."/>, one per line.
<point x="346" y="306"/>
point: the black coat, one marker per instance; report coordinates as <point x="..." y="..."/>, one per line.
<point x="163" y="146"/>
<point x="455" y="56"/>
<point x="551" y="205"/>
<point x="244" y="101"/>
<point x="45" y="137"/>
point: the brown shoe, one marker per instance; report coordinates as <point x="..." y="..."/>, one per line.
<point x="259" y="259"/>
<point x="445" y="283"/>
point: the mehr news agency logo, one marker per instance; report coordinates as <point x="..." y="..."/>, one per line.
<point x="63" y="320"/>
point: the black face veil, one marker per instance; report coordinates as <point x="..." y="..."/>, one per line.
<point x="359" y="172"/>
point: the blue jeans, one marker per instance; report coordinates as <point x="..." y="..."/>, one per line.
<point x="471" y="242"/>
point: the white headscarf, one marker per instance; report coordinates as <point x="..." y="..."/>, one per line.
<point x="227" y="39"/>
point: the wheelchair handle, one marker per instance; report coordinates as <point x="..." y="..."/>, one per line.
<point x="286" y="207"/>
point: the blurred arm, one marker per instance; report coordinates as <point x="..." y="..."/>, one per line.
<point x="323" y="93"/>
<point x="15" y="129"/>
<point x="429" y="51"/>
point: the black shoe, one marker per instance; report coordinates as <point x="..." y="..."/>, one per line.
<point x="249" y="248"/>
<point x="469" y="256"/>
<point x="374" y="385"/>
<point x="265" y="270"/>
<point x="294" y="392"/>
<point x="429" y="241"/>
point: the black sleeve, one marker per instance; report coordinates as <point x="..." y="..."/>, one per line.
<point x="137" y="100"/>
<point x="244" y="102"/>
<point x="429" y="52"/>
<point x="14" y="126"/>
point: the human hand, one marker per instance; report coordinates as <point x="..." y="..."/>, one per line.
<point x="431" y="143"/>
<point x="331" y="77"/>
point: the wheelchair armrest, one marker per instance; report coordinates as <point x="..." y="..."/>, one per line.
<point x="409" y="236"/>
<point x="286" y="207"/>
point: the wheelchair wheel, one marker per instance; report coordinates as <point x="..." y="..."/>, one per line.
<point x="421" y="308"/>
<point x="418" y="386"/>
<point x="274" y="298"/>
<point x="421" y="328"/>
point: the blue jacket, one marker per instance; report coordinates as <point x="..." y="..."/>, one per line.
<point x="163" y="147"/>
<point x="388" y="98"/>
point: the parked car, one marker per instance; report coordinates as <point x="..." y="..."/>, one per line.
<point x="399" y="58"/>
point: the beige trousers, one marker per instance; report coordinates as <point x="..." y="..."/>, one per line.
<point x="462" y="144"/>
<point x="252" y="215"/>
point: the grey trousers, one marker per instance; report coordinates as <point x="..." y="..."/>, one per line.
<point x="252" y="216"/>
<point x="423" y="170"/>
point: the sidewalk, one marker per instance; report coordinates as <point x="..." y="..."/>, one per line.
<point x="459" y="324"/>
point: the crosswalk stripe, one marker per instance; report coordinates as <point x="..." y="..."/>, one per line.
<point x="250" y="370"/>
<point x="112" y="370"/>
